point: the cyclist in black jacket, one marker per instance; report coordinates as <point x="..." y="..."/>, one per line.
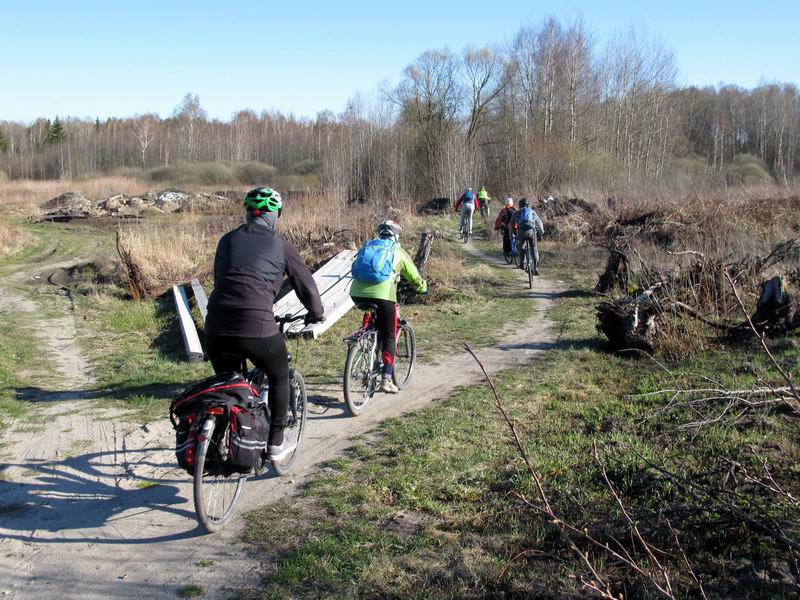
<point x="248" y="273"/>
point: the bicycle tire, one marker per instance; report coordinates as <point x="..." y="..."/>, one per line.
<point x="529" y="260"/>
<point x="203" y="487"/>
<point x="354" y="351"/>
<point x="508" y="257"/>
<point x="411" y="338"/>
<point x="298" y="428"/>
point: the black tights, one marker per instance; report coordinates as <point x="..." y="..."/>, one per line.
<point x="226" y="353"/>
<point x="386" y="323"/>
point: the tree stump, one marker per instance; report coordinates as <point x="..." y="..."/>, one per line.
<point x="617" y="275"/>
<point x="629" y="323"/>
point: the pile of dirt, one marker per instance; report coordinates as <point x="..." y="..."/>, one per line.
<point x="73" y="205"/>
<point x="69" y="205"/>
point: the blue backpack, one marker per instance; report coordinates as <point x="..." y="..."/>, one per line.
<point x="469" y="196"/>
<point x="374" y="263"/>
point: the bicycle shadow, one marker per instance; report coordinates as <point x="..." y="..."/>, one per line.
<point x="90" y="498"/>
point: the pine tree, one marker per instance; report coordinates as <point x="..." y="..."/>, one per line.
<point x="3" y="142"/>
<point x="57" y="132"/>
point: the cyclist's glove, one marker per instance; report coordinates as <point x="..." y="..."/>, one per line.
<point x="309" y="319"/>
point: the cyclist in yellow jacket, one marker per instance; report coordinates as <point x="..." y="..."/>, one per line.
<point x="384" y="296"/>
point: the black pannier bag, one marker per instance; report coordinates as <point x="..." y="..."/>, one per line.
<point x="228" y="389"/>
<point x="249" y="431"/>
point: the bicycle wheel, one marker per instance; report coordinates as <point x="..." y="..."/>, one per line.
<point x="215" y="495"/>
<point x="297" y="420"/>
<point x="529" y="260"/>
<point x="406" y="356"/>
<point x="508" y="257"/>
<point x="359" y="380"/>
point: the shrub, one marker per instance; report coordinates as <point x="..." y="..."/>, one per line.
<point x="306" y="167"/>
<point x="746" y="169"/>
<point x="212" y="173"/>
<point x="3" y="175"/>
<point x="184" y="173"/>
<point x="254" y="173"/>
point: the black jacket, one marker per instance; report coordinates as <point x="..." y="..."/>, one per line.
<point x="248" y="273"/>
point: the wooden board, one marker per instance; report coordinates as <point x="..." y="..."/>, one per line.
<point x="200" y="298"/>
<point x="191" y="341"/>
<point x="333" y="280"/>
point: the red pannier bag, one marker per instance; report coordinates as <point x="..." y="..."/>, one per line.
<point x="228" y="389"/>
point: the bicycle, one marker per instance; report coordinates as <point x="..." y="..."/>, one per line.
<point x="363" y="366"/>
<point x="527" y="257"/>
<point x="216" y="490"/>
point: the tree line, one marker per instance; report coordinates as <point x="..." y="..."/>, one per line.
<point x="550" y="107"/>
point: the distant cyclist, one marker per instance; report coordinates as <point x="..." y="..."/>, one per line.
<point x="384" y="295"/>
<point x="483" y="199"/>
<point x="466" y="205"/>
<point x="505" y="224"/>
<point x="248" y="272"/>
<point x="528" y="223"/>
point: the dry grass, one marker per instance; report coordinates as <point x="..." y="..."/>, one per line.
<point x="12" y="237"/>
<point x="179" y="247"/>
<point x="25" y="196"/>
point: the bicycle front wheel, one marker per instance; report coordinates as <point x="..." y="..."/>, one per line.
<point x="406" y="356"/>
<point x="359" y="382"/>
<point x="215" y="495"/>
<point x="297" y="420"/>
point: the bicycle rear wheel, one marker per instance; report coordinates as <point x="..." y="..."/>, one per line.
<point x="406" y="356"/>
<point x="529" y="260"/>
<point x="215" y="495"/>
<point x="297" y="420"/>
<point x="359" y="380"/>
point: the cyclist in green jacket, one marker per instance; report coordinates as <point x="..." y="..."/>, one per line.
<point x="384" y="296"/>
<point x="483" y="200"/>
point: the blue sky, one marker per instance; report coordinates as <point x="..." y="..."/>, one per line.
<point x="119" y="58"/>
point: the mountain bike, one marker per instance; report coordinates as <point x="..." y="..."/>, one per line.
<point x="216" y="490"/>
<point x="363" y="367"/>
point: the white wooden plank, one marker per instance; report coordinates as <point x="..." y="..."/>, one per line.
<point x="191" y="341"/>
<point x="333" y="280"/>
<point x="330" y="278"/>
<point x="200" y="298"/>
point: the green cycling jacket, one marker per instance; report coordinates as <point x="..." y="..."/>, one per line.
<point x="387" y="290"/>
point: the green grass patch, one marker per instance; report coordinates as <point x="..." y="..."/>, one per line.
<point x="20" y="361"/>
<point x="191" y="591"/>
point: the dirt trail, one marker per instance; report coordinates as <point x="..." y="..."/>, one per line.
<point x="82" y="517"/>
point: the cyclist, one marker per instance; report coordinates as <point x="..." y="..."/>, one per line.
<point x="466" y="204"/>
<point x="249" y="266"/>
<point x="384" y="296"/>
<point x="527" y="223"/>
<point x="483" y="199"/>
<point x="505" y="224"/>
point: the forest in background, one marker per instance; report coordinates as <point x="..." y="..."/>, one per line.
<point x="552" y="107"/>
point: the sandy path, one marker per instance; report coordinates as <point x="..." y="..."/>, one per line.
<point x="80" y="518"/>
